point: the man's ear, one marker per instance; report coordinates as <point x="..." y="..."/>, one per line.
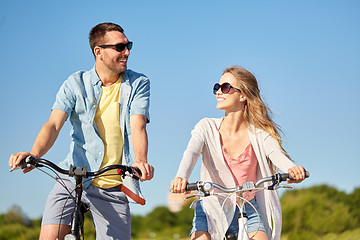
<point x="97" y="52"/>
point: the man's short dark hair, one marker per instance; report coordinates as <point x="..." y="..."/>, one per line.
<point x="98" y="32"/>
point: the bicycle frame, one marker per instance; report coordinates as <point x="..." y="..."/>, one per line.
<point x="79" y="173"/>
<point x="206" y="189"/>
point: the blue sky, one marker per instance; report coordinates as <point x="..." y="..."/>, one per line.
<point x="305" y="55"/>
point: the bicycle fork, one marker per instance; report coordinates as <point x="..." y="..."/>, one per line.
<point x="243" y="231"/>
<point x="242" y="221"/>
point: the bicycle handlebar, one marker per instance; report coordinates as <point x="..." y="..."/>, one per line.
<point x="192" y="187"/>
<point x="285" y="176"/>
<point x="123" y="170"/>
<point x="206" y="187"/>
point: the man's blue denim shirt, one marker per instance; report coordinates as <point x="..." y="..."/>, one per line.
<point x="79" y="96"/>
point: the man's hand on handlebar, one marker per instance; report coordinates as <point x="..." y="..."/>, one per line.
<point x="147" y="171"/>
<point x="15" y="159"/>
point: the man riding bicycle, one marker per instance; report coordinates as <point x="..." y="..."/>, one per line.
<point x="108" y="108"/>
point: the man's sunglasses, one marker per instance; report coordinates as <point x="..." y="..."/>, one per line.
<point x="225" y="88"/>
<point x="120" y="46"/>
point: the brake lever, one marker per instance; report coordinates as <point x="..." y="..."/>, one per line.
<point x="284" y="186"/>
<point x="199" y="194"/>
<point x="15" y="168"/>
<point x="132" y="175"/>
<point x="25" y="163"/>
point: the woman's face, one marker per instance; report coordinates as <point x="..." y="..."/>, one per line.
<point x="233" y="100"/>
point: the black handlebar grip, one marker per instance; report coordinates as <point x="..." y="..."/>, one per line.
<point x="191" y="187"/>
<point x="285" y="176"/>
<point x="25" y="161"/>
<point x="137" y="170"/>
<point x="22" y="163"/>
<point x="30" y="158"/>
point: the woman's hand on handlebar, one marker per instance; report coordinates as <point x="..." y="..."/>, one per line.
<point x="297" y="173"/>
<point x="178" y="185"/>
<point x="15" y="159"/>
<point x="147" y="171"/>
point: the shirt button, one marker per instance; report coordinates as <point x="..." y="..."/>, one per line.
<point x="100" y="153"/>
<point x="94" y="106"/>
<point x="98" y="92"/>
<point x="89" y="121"/>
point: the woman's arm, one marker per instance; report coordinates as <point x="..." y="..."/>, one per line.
<point x="189" y="159"/>
<point x="282" y="161"/>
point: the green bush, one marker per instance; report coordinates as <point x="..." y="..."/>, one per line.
<point x="18" y="231"/>
<point x="319" y="212"/>
<point x="301" y="235"/>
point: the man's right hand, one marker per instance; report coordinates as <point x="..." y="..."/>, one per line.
<point x="16" y="158"/>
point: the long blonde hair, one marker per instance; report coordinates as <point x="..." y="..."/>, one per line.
<point x="256" y="112"/>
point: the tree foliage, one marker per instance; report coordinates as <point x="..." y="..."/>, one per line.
<point x="15" y="225"/>
<point x="319" y="212"/>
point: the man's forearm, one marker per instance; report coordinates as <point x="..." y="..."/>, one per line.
<point x="140" y="144"/>
<point x="139" y="137"/>
<point x="48" y="133"/>
<point x="44" y="140"/>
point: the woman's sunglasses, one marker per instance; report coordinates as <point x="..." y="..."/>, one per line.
<point x="225" y="88"/>
<point x="120" y="46"/>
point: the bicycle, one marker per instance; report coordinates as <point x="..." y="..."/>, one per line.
<point x="77" y="222"/>
<point x="205" y="189"/>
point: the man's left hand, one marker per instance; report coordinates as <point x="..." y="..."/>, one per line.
<point x="147" y="171"/>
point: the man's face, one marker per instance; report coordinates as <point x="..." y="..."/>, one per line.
<point x="111" y="58"/>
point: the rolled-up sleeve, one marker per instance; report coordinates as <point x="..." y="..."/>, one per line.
<point x="141" y="101"/>
<point x="65" y="98"/>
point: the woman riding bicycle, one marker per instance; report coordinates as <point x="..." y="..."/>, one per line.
<point x="243" y="146"/>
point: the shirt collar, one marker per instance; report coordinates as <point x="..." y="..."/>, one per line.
<point x="95" y="79"/>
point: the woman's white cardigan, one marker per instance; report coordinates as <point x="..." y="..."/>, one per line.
<point x="205" y="140"/>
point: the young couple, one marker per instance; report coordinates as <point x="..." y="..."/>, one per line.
<point x="108" y="108"/>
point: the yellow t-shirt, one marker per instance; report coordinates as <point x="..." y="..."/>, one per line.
<point x="107" y="119"/>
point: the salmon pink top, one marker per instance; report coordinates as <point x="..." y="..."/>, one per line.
<point x="243" y="168"/>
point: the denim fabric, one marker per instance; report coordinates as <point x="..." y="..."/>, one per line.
<point x="200" y="220"/>
<point x="253" y="218"/>
<point x="79" y="96"/>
